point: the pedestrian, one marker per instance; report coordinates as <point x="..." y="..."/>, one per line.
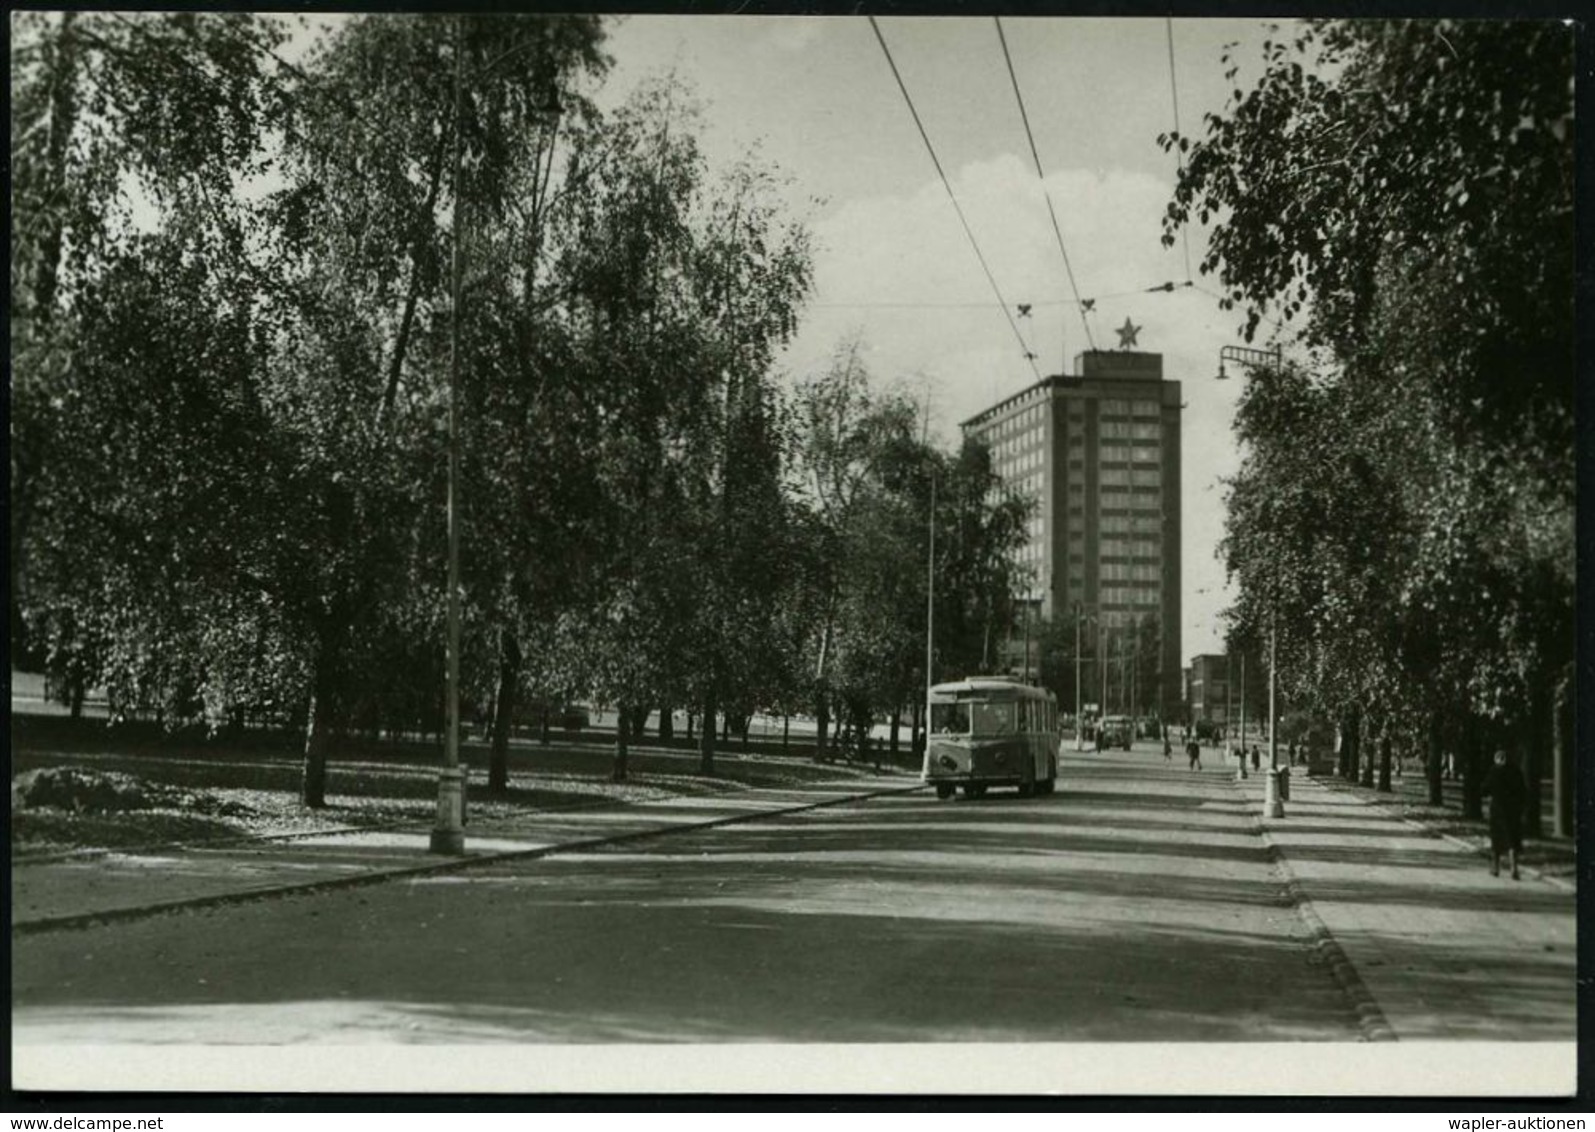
<point x="1168" y="748"/>
<point x="1193" y="750"/>
<point x="1257" y="757"/>
<point x="1506" y="791"/>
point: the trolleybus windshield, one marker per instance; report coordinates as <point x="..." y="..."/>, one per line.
<point x="980" y="718"/>
<point x="993" y="719"/>
<point x="949" y="719"/>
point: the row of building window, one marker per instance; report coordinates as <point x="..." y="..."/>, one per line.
<point x="1128" y="596"/>
<point x="1138" y="477"/>
<point x="1139" y="524"/>
<point x="1129" y="571"/>
<point x="1128" y="548"/>
<point x="1024" y="450"/>
<point x="1130" y="430"/>
<point x="1021" y="422"/>
<point x="1114" y="406"/>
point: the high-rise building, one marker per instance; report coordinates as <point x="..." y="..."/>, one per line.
<point x="1100" y="452"/>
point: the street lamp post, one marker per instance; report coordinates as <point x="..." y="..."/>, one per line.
<point x="448" y="835"/>
<point x="1079" y="714"/>
<point x="1229" y="709"/>
<point x="1273" y="806"/>
<point x="1027" y="636"/>
<point x="1102" y="653"/>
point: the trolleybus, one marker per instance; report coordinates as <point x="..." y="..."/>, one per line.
<point x="991" y="731"/>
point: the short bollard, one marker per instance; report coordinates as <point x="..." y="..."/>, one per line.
<point x="1272" y="805"/>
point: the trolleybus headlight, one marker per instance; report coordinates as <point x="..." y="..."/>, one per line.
<point x="948" y="762"/>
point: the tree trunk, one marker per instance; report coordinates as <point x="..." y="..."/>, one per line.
<point x="1533" y="742"/>
<point x="1562" y="746"/>
<point x="1434" y="762"/>
<point x="424" y="225"/>
<point x="1384" y="757"/>
<point x="786" y="732"/>
<point x="690" y="720"/>
<point x="897" y="725"/>
<point x="667" y="724"/>
<point x="318" y="733"/>
<point x="509" y="674"/>
<point x="822" y="724"/>
<point x="918" y="745"/>
<point x="706" y="736"/>
<point x="1473" y="771"/>
<point x="619" y="772"/>
<point x="1367" y="752"/>
<point x="544" y="725"/>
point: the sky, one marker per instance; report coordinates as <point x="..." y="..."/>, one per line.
<point x="815" y="97"/>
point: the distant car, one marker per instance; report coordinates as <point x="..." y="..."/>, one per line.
<point x="1117" y="732"/>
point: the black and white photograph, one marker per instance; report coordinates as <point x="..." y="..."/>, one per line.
<point x="556" y="552"/>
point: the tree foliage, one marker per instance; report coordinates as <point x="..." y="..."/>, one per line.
<point x="1405" y="509"/>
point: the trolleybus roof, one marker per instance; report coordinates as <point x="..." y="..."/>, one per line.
<point x="977" y="685"/>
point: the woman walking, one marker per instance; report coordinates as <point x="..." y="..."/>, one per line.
<point x="1507" y="793"/>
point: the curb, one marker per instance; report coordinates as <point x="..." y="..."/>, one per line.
<point x="1473" y="847"/>
<point x="1371" y="1019"/>
<point x="79" y="920"/>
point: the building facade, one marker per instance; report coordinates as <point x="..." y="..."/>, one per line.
<point x="1100" y="452"/>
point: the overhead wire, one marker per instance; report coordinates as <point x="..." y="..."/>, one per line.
<point x="1036" y="157"/>
<point x="973" y="243"/>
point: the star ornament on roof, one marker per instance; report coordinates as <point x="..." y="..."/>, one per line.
<point x="1127" y="334"/>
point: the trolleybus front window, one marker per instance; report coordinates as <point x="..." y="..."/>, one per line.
<point x="993" y="719"/>
<point x="949" y="719"/>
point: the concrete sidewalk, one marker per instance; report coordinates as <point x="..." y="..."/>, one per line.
<point x="1438" y="948"/>
<point x="63" y="893"/>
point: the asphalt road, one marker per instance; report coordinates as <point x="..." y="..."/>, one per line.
<point x="1134" y="904"/>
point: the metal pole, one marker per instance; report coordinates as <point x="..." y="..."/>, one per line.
<point x="930" y="602"/>
<point x="1102" y="662"/>
<point x="1273" y="707"/>
<point x="1229" y="708"/>
<point x="1079" y="714"/>
<point x="1026" y="638"/>
<point x="448" y="836"/>
<point x="1273" y="805"/>
<point x="1243" y="709"/>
